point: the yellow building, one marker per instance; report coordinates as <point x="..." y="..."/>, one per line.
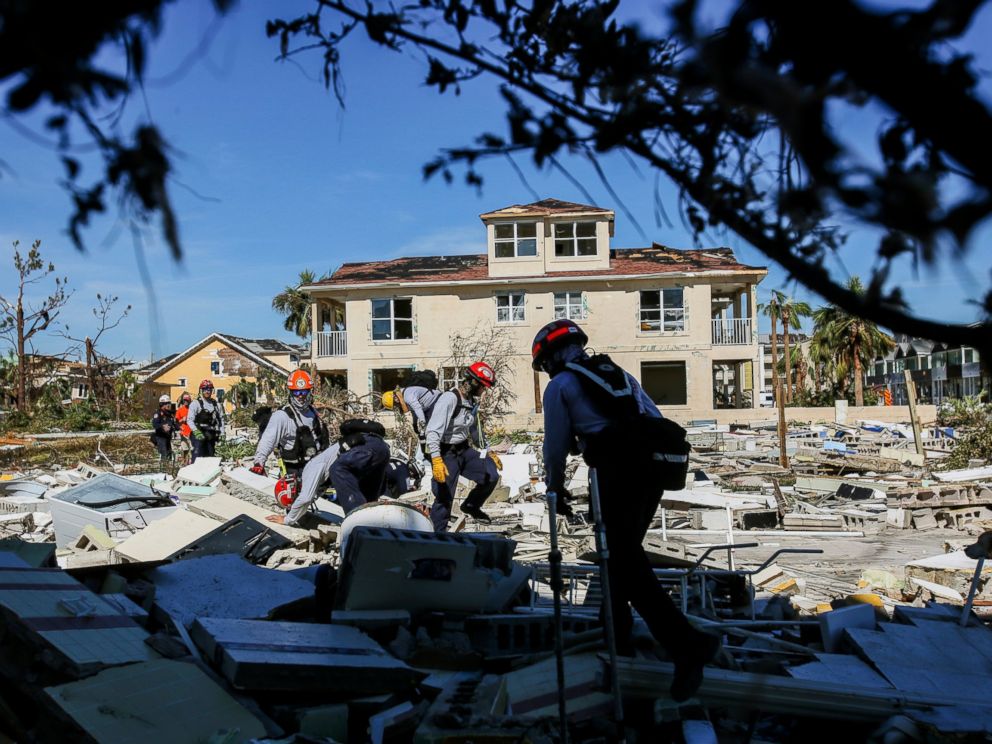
<point x="224" y="360"/>
<point x="682" y="321"/>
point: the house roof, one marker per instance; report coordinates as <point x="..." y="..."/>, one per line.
<point x="657" y="259"/>
<point x="265" y="345"/>
<point x="546" y="208"/>
<point x="231" y="341"/>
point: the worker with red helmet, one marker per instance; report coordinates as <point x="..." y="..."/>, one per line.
<point x="595" y="407"/>
<point x="206" y="421"/>
<point x="453" y="428"/>
<point x="295" y="431"/>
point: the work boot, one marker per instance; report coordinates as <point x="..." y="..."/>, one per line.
<point x="475" y="512"/>
<point x="689" y="668"/>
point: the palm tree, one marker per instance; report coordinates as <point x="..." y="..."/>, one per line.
<point x="790" y="310"/>
<point x="821" y="359"/>
<point x="855" y="341"/>
<point x="295" y="305"/>
<point x="770" y="309"/>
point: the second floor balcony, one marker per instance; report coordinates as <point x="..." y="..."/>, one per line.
<point x="331" y="343"/>
<point x="732" y="331"/>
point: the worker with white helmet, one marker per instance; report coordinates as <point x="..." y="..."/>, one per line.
<point x="163" y="427"/>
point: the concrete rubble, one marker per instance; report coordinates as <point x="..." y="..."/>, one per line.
<point x="157" y="608"/>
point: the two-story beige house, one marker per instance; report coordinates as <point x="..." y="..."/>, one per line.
<point x="682" y="321"/>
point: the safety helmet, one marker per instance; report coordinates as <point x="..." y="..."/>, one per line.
<point x="164" y="399"/>
<point x="207" y="385"/>
<point x="388" y="400"/>
<point x="299" y="380"/>
<point x="553" y="336"/>
<point x="481" y="373"/>
<point x="300" y="388"/>
<point x="284" y="492"/>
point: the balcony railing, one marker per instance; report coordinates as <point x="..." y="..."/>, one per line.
<point x="331" y="343"/>
<point x="731" y="332"/>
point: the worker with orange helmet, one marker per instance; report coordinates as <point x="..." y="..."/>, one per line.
<point x="453" y="428"/>
<point x="206" y="421"/>
<point x="295" y="431"/>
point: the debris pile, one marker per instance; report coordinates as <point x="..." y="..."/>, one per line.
<point x="153" y="607"/>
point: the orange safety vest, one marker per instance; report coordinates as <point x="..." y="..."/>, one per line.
<point x="181" y="413"/>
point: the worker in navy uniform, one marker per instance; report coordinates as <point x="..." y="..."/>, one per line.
<point x="453" y="428"/>
<point x="594" y="407"/>
<point x="355" y="466"/>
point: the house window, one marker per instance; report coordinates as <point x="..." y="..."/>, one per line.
<point x="510" y="308"/>
<point x="569" y="305"/>
<point x="81" y="390"/>
<point x="663" y="310"/>
<point x="384" y="380"/>
<point x="392" y="320"/>
<point x="575" y="238"/>
<point x="665" y="382"/>
<point x="182" y="382"/>
<point x="449" y="377"/>
<point x="294" y="358"/>
<point x="216" y="368"/>
<point x="516" y="239"/>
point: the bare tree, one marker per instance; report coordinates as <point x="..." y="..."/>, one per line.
<point x="99" y="369"/>
<point x="494" y="346"/>
<point x="21" y="320"/>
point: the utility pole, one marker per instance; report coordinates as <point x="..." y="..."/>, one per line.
<point x="783" y="457"/>
<point x="914" y="416"/>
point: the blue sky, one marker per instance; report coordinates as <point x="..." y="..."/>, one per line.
<point x="272" y="177"/>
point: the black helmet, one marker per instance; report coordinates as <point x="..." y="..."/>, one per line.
<point x="554" y="335"/>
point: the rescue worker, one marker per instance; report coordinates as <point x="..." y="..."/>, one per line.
<point x="416" y="399"/>
<point x="295" y="431"/>
<point x="451" y="430"/>
<point x="163" y="425"/>
<point x="206" y="421"/>
<point x="355" y="466"/>
<point x="593" y="406"/>
<point x="181" y="414"/>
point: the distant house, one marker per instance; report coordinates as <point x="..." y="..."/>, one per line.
<point x="940" y="371"/>
<point x="682" y="321"/>
<point x="223" y="359"/>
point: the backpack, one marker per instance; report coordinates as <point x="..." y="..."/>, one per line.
<point x="631" y="433"/>
<point x="425" y="378"/>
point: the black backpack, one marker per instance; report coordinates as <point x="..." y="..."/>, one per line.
<point x="425" y="378"/>
<point x="631" y="434"/>
<point x="261" y="417"/>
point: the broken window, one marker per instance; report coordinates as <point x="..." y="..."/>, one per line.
<point x="516" y="239"/>
<point x="510" y="307"/>
<point x="569" y="305"/>
<point x="575" y="239"/>
<point x="662" y="310"/>
<point x="384" y="380"/>
<point x="392" y="319"/>
<point x="665" y="382"/>
<point x="449" y="377"/>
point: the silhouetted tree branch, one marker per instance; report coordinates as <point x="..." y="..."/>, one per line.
<point x="743" y="120"/>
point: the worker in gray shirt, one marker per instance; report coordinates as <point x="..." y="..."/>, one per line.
<point x="206" y="422"/>
<point x="417" y="396"/>
<point x="451" y="431"/>
<point x="295" y="431"/>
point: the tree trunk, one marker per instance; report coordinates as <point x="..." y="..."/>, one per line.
<point x="22" y="362"/>
<point x="90" y="376"/>
<point x="776" y="390"/>
<point x="788" y="357"/>
<point x="859" y="391"/>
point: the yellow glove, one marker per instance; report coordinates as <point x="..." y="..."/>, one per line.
<point x="439" y="469"/>
<point x="495" y="458"/>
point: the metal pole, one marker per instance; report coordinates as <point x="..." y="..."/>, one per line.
<point x="966" y="613"/>
<point x="554" y="558"/>
<point x="604" y="582"/>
